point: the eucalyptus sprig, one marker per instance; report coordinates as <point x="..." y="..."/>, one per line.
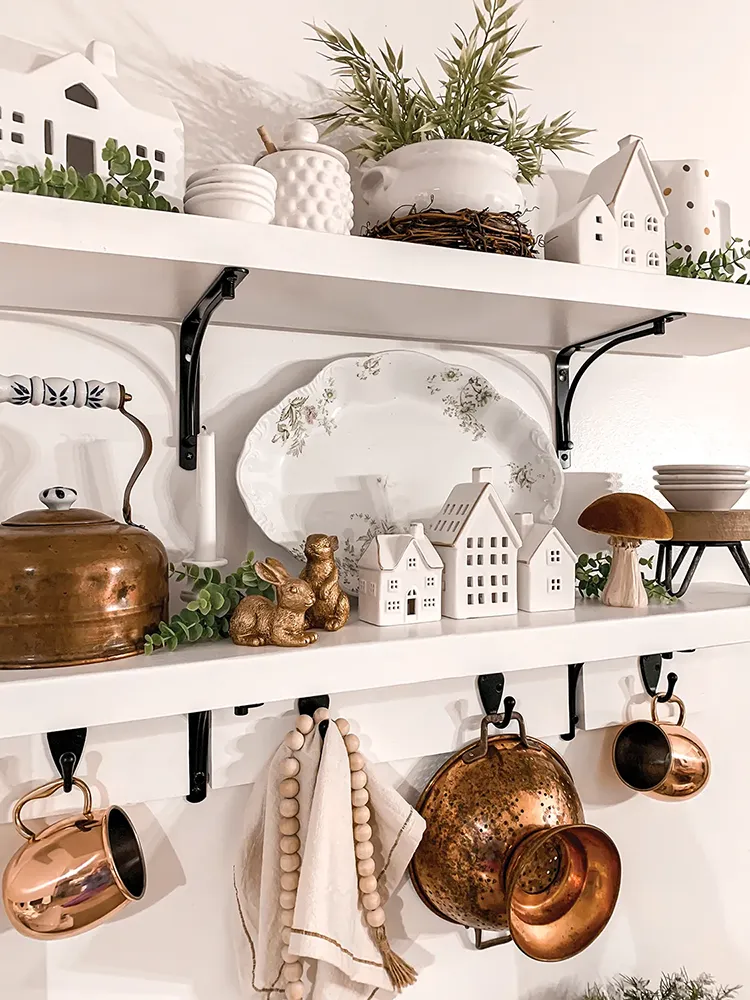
<point x="716" y="265"/>
<point x="592" y="573"/>
<point x="473" y="100"/>
<point x="207" y="615"/>
<point x="671" y="986"/>
<point x="128" y="182"/>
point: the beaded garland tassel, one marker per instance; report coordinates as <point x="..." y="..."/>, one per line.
<point x="400" y="973"/>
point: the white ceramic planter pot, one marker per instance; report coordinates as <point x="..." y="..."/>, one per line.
<point x="445" y="174"/>
<point x="693" y="219"/>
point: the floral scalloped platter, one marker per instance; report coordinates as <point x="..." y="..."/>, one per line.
<point x="373" y="443"/>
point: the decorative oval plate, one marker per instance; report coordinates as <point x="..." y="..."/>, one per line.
<point x="373" y="443"/>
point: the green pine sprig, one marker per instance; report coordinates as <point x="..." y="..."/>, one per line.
<point x="207" y="615"/>
<point x="128" y="182"/>
<point x="716" y="265"/>
<point x="592" y="573"/>
<point x="474" y="99"/>
<point x="671" y="986"/>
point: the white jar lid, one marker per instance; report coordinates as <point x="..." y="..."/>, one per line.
<point x="302" y="134"/>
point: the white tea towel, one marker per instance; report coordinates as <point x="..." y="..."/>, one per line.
<point x="329" y="927"/>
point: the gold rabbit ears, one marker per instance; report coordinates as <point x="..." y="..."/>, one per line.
<point x="272" y="571"/>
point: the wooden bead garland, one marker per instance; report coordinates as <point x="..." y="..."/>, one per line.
<point x="400" y="973"/>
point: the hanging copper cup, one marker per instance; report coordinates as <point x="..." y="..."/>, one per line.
<point x="506" y="848"/>
<point x="662" y="759"/>
<point x="74" y="874"/>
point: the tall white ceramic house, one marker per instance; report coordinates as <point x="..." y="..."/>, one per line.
<point x="479" y="544"/>
<point x="546" y="567"/>
<point x="66" y="107"/>
<point x="629" y="190"/>
<point x="400" y="579"/>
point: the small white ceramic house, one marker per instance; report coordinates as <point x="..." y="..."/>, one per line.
<point x="546" y="567"/>
<point x="627" y="187"/>
<point x="479" y="544"/>
<point x="66" y="107"/>
<point x="400" y="579"/>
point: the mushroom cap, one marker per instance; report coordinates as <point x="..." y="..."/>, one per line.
<point x="626" y="515"/>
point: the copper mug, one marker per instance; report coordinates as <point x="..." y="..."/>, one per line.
<point x="75" y="873"/>
<point x="661" y="759"/>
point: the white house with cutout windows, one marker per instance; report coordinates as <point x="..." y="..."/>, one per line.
<point x="400" y="579"/>
<point x="619" y="220"/>
<point x="67" y="106"/>
<point x="546" y="567"/>
<point x="478" y="544"/>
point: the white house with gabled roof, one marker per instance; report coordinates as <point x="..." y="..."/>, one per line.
<point x="478" y="543"/>
<point x="546" y="567"/>
<point x="626" y="186"/>
<point x="400" y="579"/>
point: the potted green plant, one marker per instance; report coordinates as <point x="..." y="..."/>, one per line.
<point x="464" y="144"/>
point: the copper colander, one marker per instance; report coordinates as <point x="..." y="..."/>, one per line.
<point x="507" y="849"/>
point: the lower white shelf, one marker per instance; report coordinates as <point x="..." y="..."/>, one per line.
<point x="362" y="657"/>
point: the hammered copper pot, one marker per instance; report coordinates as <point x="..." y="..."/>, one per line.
<point x="76" y="873"/>
<point x="507" y="849"/>
<point x="77" y="586"/>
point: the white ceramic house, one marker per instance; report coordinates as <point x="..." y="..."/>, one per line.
<point x="626" y="186"/>
<point x="546" y="567"/>
<point x="400" y="579"/>
<point x="66" y="107"/>
<point x="479" y="544"/>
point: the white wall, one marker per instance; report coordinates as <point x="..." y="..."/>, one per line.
<point x="672" y="72"/>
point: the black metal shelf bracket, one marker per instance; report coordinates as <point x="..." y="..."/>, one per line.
<point x="192" y="331"/>
<point x="199" y="741"/>
<point x="244" y="709"/>
<point x="309" y="706"/>
<point x="575" y="670"/>
<point x="565" y="387"/>
<point x="66" y="749"/>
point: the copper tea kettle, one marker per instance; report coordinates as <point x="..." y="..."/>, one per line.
<point x="76" y="586"/>
<point x="507" y="849"/>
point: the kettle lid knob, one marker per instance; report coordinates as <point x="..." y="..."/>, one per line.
<point x="58" y="497"/>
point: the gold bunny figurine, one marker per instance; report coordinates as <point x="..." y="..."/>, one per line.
<point x="331" y="608"/>
<point x="256" y="621"/>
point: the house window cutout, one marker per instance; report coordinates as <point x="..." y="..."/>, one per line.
<point x="16" y="137"/>
<point x="505" y="541"/>
<point x="505" y="580"/>
<point x="372" y="589"/>
<point x="553" y="556"/>
<point x="470" y="599"/>
<point x="429" y="602"/>
<point x="469" y="543"/>
<point x="411" y="562"/>
<point x="493" y="542"/>
<point x="652" y="224"/>
<point x="480" y="598"/>
<point x="79" y="153"/>
<point x="494" y="598"/>
<point x="469" y="581"/>
<point x="493" y="581"/>
<point x="159" y="175"/>
<point x="393" y="585"/>
<point x="628" y="220"/>
<point x="49" y="138"/>
<point x="393" y="605"/>
<point x="363" y="586"/>
<point x="555" y="585"/>
<point x="141" y="151"/>
<point x="493" y="559"/>
<point x="411" y="603"/>
<point x="505" y="597"/>
<point x="18" y="117"/>
<point x="599" y="220"/>
<point x="653" y="259"/>
<point x="628" y="255"/>
<point x="1" y="133"/>
<point x="480" y="581"/>
<point x="159" y="155"/>
<point x="480" y="560"/>
<point x="599" y="237"/>
<point x="430" y="581"/>
<point x="79" y="93"/>
<point x="470" y="560"/>
<point x="480" y="543"/>
<point x="505" y="559"/>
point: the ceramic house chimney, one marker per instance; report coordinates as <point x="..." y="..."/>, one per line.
<point x="102" y="55"/>
<point x="416" y="529"/>
<point x="628" y="140"/>
<point x="524" y="524"/>
<point x="481" y="474"/>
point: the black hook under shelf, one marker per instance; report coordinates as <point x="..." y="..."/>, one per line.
<point x="650" y="668"/>
<point x="490" y="688"/>
<point x="66" y="748"/>
<point x="244" y="709"/>
<point x="575" y="671"/>
<point x="310" y="705"/>
<point x="199" y="742"/>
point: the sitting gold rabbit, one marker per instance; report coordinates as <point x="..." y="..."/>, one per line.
<point x="256" y="621"/>
<point x="331" y="608"/>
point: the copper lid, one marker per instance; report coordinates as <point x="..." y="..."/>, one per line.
<point x="59" y="501"/>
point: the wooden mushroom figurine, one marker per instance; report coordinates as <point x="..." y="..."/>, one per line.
<point x="628" y="519"/>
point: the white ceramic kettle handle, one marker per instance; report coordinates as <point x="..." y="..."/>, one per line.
<point x="376" y="179"/>
<point x="22" y="389"/>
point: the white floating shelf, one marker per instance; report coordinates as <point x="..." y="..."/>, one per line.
<point x="362" y="657"/>
<point x="71" y="257"/>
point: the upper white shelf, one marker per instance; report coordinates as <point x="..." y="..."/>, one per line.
<point x="362" y="657"/>
<point x="66" y="257"/>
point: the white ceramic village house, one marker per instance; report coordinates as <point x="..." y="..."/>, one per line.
<point x="400" y="579"/>
<point x="619" y="220"/>
<point x="546" y="567"/>
<point x="479" y="544"/>
<point x="66" y="107"/>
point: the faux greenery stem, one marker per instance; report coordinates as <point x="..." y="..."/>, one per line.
<point x="671" y="986"/>
<point x="473" y="99"/>
<point x="592" y="573"/>
<point x="718" y="265"/>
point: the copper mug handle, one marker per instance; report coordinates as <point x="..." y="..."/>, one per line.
<point x="21" y="390"/>
<point x="674" y="700"/>
<point x="44" y="792"/>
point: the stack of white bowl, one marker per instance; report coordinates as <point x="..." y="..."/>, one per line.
<point x="232" y="191"/>
<point x="702" y="487"/>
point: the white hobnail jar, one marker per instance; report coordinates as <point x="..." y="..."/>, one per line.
<point x="314" y="189"/>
